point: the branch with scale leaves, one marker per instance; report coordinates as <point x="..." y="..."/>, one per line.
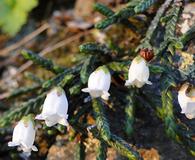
<point x="146" y="42"/>
<point x="116" y="142"/>
<point x="23" y="90"/>
<point x="95" y="48"/>
<point x="124" y="148"/>
<point x="101" y="121"/>
<point x="25" y="108"/>
<point x="170" y="39"/>
<point x="102" y="151"/>
<point x="45" y="63"/>
<point x="172" y="20"/>
<point x="129" y="113"/>
<point x="130" y="10"/>
<point x="166" y="112"/>
<point x="105" y="134"/>
<point x="33" y="77"/>
<point x="174" y="129"/>
<point x="31" y="106"/>
<point x="104" y="10"/>
<point x="189" y="35"/>
<point x="80" y="150"/>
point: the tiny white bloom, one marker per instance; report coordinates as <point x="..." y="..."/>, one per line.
<point x="24" y="135"/>
<point x="99" y="83"/>
<point x="55" y="108"/>
<point x="187" y="101"/>
<point x="138" y="73"/>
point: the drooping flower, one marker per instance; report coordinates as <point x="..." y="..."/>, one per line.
<point x="55" y="108"/>
<point x="24" y="135"/>
<point x="187" y="101"/>
<point x="138" y="73"/>
<point x="99" y="83"/>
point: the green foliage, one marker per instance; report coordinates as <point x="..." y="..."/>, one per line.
<point x="172" y="20"/>
<point x="25" y="108"/>
<point x="80" y="150"/>
<point x="124" y="148"/>
<point x="76" y="89"/>
<point x="101" y="121"/>
<point x="170" y="38"/>
<point x="167" y="113"/>
<point x="93" y="48"/>
<point x="23" y="90"/>
<point x="33" y="77"/>
<point x="45" y="63"/>
<point x="129" y="113"/>
<point x="87" y="69"/>
<point x="131" y="9"/>
<point x="185" y="38"/>
<point x="13" y="14"/>
<point x="156" y="69"/>
<point x="115" y="18"/>
<point x="104" y="10"/>
<point x="146" y="42"/>
<point x="164" y="74"/>
<point x="102" y="151"/>
<point x="143" y="5"/>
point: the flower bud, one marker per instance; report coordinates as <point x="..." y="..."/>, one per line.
<point x="24" y="135"/>
<point x="146" y="53"/>
<point x="138" y="73"/>
<point x="99" y="83"/>
<point x="187" y="101"/>
<point x="55" y="108"/>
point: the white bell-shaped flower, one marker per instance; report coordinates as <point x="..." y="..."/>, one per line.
<point x="24" y="135"/>
<point x="138" y="73"/>
<point x="99" y="83"/>
<point x="55" y="108"/>
<point x="187" y="101"/>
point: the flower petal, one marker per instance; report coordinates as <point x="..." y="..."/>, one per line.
<point x="138" y="73"/>
<point x="148" y="82"/>
<point x="190" y="108"/>
<point x="13" y="144"/>
<point x="87" y="90"/>
<point x="63" y="121"/>
<point x="128" y="83"/>
<point x="190" y="116"/>
<point x="105" y="95"/>
<point x="99" y="81"/>
<point x="55" y="106"/>
<point x="34" y="148"/>
<point x="39" y="117"/>
<point x="50" y="123"/>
